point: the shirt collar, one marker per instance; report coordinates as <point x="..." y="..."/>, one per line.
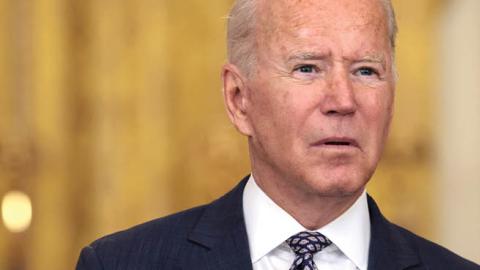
<point x="268" y="226"/>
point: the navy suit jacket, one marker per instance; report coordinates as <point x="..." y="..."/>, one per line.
<point x="214" y="237"/>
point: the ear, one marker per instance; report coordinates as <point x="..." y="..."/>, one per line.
<point x="236" y="97"/>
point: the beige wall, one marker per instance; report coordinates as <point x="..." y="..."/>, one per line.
<point x="111" y="114"/>
<point x="458" y="135"/>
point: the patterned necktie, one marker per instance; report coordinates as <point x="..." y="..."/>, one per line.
<point x="305" y="245"/>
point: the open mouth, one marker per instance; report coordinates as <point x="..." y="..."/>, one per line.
<point x="338" y="142"/>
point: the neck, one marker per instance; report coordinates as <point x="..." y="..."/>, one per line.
<point x="312" y="210"/>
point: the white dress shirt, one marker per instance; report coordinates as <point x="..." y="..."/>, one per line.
<point x="268" y="226"/>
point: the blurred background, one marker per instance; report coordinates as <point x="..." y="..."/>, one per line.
<point x="111" y="114"/>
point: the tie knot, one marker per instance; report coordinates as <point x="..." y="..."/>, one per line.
<point x="308" y="242"/>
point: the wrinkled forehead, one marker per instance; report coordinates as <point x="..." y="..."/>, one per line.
<point x="283" y="16"/>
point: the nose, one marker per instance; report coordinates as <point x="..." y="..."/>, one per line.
<point x="339" y="95"/>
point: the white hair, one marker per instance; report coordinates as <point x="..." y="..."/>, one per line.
<point x="241" y="29"/>
<point x="240" y="34"/>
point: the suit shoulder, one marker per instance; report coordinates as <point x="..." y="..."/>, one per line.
<point x="156" y="232"/>
<point x="436" y="256"/>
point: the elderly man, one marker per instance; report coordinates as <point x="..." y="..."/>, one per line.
<point x="311" y="84"/>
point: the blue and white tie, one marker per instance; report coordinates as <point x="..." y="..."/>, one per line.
<point x="305" y="245"/>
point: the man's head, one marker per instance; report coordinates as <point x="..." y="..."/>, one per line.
<point x="311" y="83"/>
<point x="241" y="28"/>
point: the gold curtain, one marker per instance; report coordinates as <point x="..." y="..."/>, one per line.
<point x="111" y="114"/>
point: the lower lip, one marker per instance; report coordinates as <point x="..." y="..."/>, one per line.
<point x="336" y="147"/>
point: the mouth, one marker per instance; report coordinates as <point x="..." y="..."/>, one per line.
<point x="337" y="142"/>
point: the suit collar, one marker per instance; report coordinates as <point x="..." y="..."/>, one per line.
<point x="221" y="229"/>
<point x="389" y="247"/>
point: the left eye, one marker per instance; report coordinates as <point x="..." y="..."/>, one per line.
<point x="366" y="71"/>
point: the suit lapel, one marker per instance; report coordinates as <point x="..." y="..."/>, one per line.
<point x="221" y="229"/>
<point x="389" y="248"/>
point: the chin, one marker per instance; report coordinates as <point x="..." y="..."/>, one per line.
<point x="337" y="183"/>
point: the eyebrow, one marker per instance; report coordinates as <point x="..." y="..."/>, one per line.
<point x="307" y="56"/>
<point x="374" y="58"/>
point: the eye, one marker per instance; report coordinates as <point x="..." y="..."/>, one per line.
<point x="366" y="71"/>
<point x="306" y="69"/>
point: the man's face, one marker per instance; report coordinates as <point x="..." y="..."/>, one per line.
<point x="320" y="97"/>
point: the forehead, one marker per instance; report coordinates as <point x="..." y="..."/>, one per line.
<point x="317" y="17"/>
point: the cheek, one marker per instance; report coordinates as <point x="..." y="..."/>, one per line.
<point x="267" y="112"/>
<point x="377" y="105"/>
<point x="280" y="115"/>
<point x="270" y="103"/>
<point x="377" y="111"/>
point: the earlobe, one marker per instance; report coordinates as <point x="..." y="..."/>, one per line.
<point x="236" y="96"/>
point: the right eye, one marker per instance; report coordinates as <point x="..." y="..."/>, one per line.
<point x="307" y="69"/>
